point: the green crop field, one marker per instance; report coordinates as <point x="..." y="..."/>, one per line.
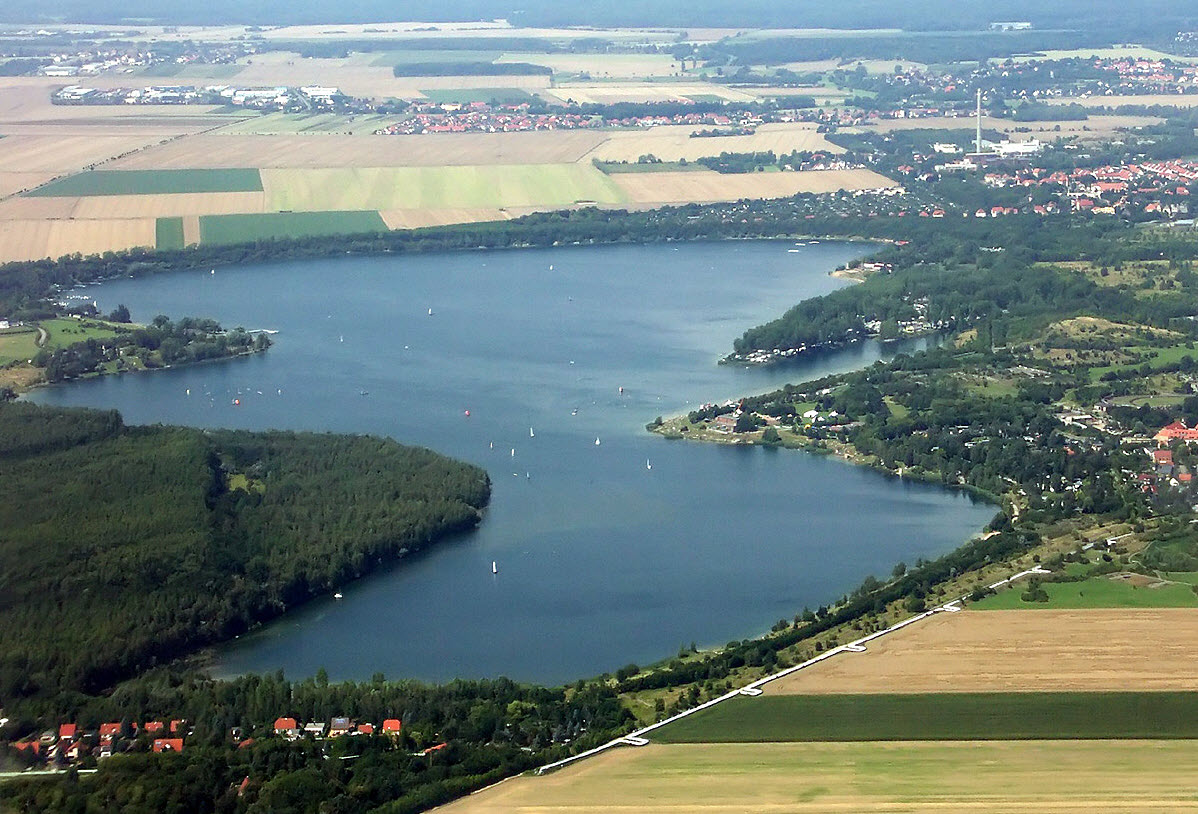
<point x="18" y="345"/>
<point x="150" y="182"/>
<point x="168" y="233"/>
<point x="67" y="331"/>
<point x="1096" y="592"/>
<point x="941" y="716"/>
<point x="226" y="229"/>
<point x="389" y="59"/>
<point x="460" y="187"/>
<point x="502" y="96"/>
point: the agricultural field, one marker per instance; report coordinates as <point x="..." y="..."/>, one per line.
<point x="39" y="239"/>
<point x="1116" y="52"/>
<point x="546" y="185"/>
<point x="1109" y="591"/>
<point x="169" y="234"/>
<point x="151" y="182"/>
<point x="18" y="344"/>
<point x="673" y="143"/>
<point x="418" y="218"/>
<point x="941" y="716"/>
<point x="249" y="228"/>
<point x="602" y="66"/>
<point x="167" y="205"/>
<point x="849" y="778"/>
<point x="501" y="95"/>
<point x="1007" y="650"/>
<point x="585" y="93"/>
<point x="693" y="187"/>
<point x="275" y="124"/>
<point x="363" y="150"/>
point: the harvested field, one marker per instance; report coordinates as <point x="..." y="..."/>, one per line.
<point x="664" y="92"/>
<point x="66" y="153"/>
<point x="673" y="143"/>
<point x="416" y="218"/>
<point x="152" y="182"/>
<point x="1017" y="651"/>
<point x="699" y="187"/>
<point x="314" y="151"/>
<point x="13" y="182"/>
<point x="473" y="187"/>
<point x="148" y="206"/>
<point x="22" y="208"/>
<point x="1172" y="99"/>
<point x="849" y="778"/>
<point x="36" y="240"/>
<point x="191" y="230"/>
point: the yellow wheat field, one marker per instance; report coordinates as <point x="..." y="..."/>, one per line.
<point x="38" y="239"/>
<point x="672" y="143"/>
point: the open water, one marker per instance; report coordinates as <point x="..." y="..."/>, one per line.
<point x="607" y="554"/>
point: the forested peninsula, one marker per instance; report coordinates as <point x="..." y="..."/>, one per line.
<point x="125" y="547"/>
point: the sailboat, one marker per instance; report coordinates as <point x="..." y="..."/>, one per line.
<point x="596" y="440"/>
<point x="531" y="434"/>
<point x="513" y="452"/>
<point x="430" y="312"/>
<point x="494" y="567"/>
<point x="647" y="464"/>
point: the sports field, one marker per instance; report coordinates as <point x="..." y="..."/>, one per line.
<point x="849" y="778"/>
<point x="1003" y="650"/>
<point x="544" y="185"/>
<point x="940" y="716"/>
<point x="151" y="182"/>
<point x="251" y="228"/>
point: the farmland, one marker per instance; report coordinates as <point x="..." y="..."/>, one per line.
<point x="1110" y="591"/>
<point x="152" y="182"/>
<point x="941" y="716"/>
<point x="325" y="151"/>
<point x="546" y="185"/>
<point x="38" y="239"/>
<point x="999" y="651"/>
<point x="796" y="778"/>
<point x="249" y="228"/>
<point x="672" y="143"/>
<point x="169" y="234"/>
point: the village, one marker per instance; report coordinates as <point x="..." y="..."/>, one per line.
<point x="73" y="745"/>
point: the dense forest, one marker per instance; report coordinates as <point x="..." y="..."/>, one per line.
<point x="125" y="547"/>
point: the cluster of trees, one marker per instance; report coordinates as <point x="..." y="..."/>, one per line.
<point x="159" y="344"/>
<point x="124" y="547"/>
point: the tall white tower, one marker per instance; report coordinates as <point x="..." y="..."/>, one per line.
<point x="979" y="139"/>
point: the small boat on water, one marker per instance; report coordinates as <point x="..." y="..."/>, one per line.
<point x="513" y="452"/>
<point x="596" y="440"/>
<point x="430" y="312"/>
<point x="494" y="567"/>
<point x="647" y="464"/>
<point x="531" y="434"/>
<point x="338" y="596"/>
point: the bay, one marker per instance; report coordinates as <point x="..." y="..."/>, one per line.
<point x="607" y="553"/>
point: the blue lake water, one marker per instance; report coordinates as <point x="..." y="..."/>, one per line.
<point x="602" y="560"/>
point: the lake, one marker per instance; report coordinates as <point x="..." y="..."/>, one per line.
<point x="612" y="545"/>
